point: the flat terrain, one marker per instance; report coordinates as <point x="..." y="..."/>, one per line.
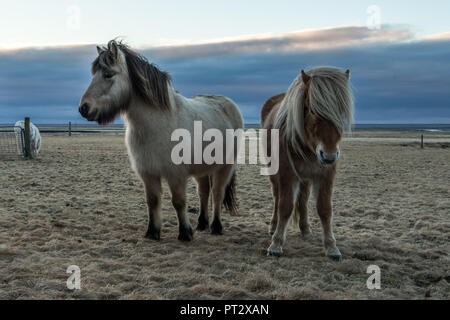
<point x="80" y="204"/>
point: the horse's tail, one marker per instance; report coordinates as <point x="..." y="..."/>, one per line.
<point x="229" y="200"/>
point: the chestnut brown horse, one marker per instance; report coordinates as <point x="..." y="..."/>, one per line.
<point x="312" y="117"/>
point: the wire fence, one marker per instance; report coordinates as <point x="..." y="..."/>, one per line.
<point x="12" y="143"/>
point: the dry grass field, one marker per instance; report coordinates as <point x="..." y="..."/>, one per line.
<point x="81" y="204"/>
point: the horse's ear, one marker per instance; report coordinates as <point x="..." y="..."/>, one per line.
<point x="306" y="78"/>
<point x="112" y="46"/>
<point x="99" y="50"/>
<point x="347" y="73"/>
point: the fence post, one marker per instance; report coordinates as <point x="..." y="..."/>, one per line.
<point x="70" y="129"/>
<point x="421" y="142"/>
<point x="27" y="138"/>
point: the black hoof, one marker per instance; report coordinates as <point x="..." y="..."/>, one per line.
<point x="335" y="258"/>
<point x="274" y="254"/>
<point x="153" y="234"/>
<point x="186" y="234"/>
<point x="202" y="224"/>
<point x="216" y="228"/>
<point x="202" y="227"/>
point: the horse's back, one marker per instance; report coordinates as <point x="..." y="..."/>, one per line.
<point x="225" y="105"/>
<point x="269" y="108"/>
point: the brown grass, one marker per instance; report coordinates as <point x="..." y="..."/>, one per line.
<point x="80" y="204"/>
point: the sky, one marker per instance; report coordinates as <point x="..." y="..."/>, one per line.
<point x="398" y="52"/>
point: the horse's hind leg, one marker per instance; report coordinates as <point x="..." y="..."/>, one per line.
<point x="220" y="180"/>
<point x="302" y="208"/>
<point x="203" y="193"/>
<point x="276" y="200"/>
<point x="178" y="191"/>
<point x="324" y="192"/>
<point x="152" y="185"/>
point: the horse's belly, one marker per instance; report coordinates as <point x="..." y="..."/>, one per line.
<point x="200" y="170"/>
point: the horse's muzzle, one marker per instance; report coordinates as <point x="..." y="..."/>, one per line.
<point x="84" y="110"/>
<point x="328" y="159"/>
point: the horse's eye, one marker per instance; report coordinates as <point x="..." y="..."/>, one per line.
<point x="312" y="112"/>
<point x="108" y="75"/>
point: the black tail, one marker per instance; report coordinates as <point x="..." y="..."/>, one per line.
<point x="229" y="200"/>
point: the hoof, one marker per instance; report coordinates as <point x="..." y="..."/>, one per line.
<point x="186" y="234"/>
<point x="275" y="254"/>
<point x="335" y="255"/>
<point x="216" y="228"/>
<point x="335" y="258"/>
<point x="153" y="234"/>
<point x="202" y="227"/>
<point x="274" y="251"/>
<point x="203" y="224"/>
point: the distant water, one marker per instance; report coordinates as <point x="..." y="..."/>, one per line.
<point x="404" y="127"/>
<point x="431" y="130"/>
<point x="392" y="127"/>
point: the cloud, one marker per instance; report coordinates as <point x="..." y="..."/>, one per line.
<point x="396" y="78"/>
<point x="322" y="39"/>
<point x="438" y="36"/>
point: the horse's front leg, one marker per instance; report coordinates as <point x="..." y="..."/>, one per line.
<point x="302" y="207"/>
<point x="324" y="191"/>
<point x="152" y="185"/>
<point x="285" y="207"/>
<point x="178" y="191"/>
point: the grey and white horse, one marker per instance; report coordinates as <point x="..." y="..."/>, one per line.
<point x="125" y="83"/>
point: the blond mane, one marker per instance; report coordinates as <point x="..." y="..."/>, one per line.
<point x="330" y="97"/>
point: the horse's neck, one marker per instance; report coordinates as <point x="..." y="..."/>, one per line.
<point x="177" y="101"/>
<point x="142" y="116"/>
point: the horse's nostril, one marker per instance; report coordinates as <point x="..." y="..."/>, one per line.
<point x="325" y="158"/>
<point x="84" y="109"/>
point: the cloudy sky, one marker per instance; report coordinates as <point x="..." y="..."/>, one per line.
<point x="398" y="52"/>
